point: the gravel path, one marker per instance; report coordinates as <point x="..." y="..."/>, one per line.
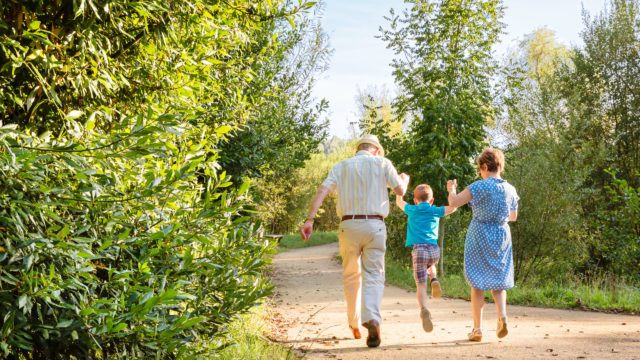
<point x="310" y="315"/>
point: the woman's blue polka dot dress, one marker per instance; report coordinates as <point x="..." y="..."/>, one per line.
<point x="488" y="257"/>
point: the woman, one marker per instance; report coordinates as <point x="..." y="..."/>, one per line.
<point x="488" y="259"/>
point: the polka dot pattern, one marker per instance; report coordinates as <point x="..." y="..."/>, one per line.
<point x="488" y="256"/>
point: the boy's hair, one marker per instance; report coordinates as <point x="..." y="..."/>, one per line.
<point x="423" y="192"/>
<point x="492" y="158"/>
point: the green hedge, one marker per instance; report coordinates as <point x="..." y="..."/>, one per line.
<point x="100" y="262"/>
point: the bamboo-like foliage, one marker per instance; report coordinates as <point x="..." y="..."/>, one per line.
<point x="121" y="236"/>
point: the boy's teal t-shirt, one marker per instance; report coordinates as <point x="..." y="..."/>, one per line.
<point x="422" y="227"/>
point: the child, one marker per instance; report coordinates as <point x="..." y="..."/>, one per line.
<point x="422" y="235"/>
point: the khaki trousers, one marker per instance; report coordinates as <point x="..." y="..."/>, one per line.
<point x="362" y="247"/>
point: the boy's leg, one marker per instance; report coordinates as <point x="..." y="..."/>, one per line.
<point x="420" y="274"/>
<point x="421" y="294"/>
<point x="432" y="271"/>
<point x="436" y="289"/>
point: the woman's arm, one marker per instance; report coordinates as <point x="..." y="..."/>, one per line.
<point x="513" y="215"/>
<point x="457" y="200"/>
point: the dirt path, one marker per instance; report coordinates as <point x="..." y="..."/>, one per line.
<point x="310" y="315"/>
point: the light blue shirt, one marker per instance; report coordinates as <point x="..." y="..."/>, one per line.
<point x="422" y="227"/>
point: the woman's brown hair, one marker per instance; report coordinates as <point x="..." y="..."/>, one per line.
<point x="492" y="158"/>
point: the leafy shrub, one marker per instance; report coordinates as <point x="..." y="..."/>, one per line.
<point x="617" y="225"/>
<point x="121" y="236"/>
<point x="124" y="253"/>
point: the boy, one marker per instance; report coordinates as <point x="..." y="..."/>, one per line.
<point x="422" y="235"/>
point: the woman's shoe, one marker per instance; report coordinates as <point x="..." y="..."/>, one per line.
<point x="501" y="330"/>
<point x="475" y="335"/>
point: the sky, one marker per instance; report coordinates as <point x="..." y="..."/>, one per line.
<point x="360" y="60"/>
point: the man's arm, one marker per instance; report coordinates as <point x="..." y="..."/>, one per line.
<point x="307" y="228"/>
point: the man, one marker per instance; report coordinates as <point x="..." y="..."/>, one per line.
<point x="363" y="202"/>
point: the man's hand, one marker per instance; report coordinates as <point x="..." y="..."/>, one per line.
<point x="404" y="181"/>
<point x="306" y="229"/>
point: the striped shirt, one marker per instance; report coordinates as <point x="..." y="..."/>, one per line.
<point x="361" y="182"/>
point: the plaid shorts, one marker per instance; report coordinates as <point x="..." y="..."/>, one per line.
<point x="423" y="256"/>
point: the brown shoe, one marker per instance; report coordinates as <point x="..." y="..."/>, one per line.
<point x="356" y="332"/>
<point x="425" y="315"/>
<point x="475" y="335"/>
<point x="373" y="340"/>
<point x="501" y="330"/>
<point x="436" y="289"/>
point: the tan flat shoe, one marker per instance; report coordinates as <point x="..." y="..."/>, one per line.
<point x="425" y="315"/>
<point x="501" y="330"/>
<point x="436" y="290"/>
<point x="475" y="335"/>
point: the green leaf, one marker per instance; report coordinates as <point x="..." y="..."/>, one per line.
<point x="74" y="114"/>
<point x="22" y="301"/>
<point x="64" y="323"/>
<point x="221" y="130"/>
<point x="119" y="327"/>
<point x="34" y="25"/>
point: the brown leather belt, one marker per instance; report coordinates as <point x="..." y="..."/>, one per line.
<point x="361" y="217"/>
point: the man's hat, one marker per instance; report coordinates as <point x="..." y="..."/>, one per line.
<point x="370" y="139"/>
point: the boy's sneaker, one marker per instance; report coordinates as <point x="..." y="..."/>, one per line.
<point x="436" y="290"/>
<point x="425" y="315"/>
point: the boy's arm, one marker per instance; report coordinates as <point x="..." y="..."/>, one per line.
<point x="449" y="210"/>
<point x="400" y="202"/>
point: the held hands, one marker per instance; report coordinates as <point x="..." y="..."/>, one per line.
<point x="404" y="182"/>
<point x="452" y="186"/>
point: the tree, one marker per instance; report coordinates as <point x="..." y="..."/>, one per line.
<point x="289" y="125"/>
<point x="602" y="109"/>
<point x="376" y="113"/>
<point x="443" y="68"/>
<point x="537" y="164"/>
<point x="120" y="233"/>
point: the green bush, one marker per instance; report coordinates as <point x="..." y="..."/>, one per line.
<point x="121" y="235"/>
<point x="97" y="261"/>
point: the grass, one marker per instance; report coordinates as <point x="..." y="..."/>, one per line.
<point x="250" y="343"/>
<point x="293" y="241"/>
<point x="597" y="295"/>
<point x="247" y="333"/>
